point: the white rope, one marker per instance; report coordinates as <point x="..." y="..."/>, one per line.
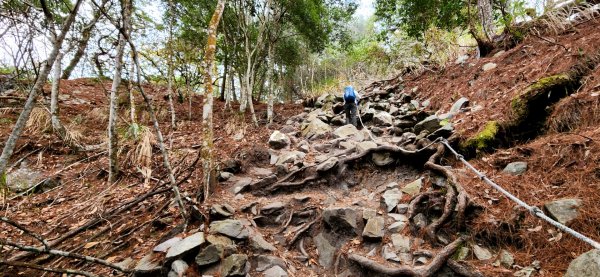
<point x="532" y="209"/>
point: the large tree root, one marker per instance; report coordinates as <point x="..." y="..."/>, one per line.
<point x="419" y="271"/>
<point x="310" y="174"/>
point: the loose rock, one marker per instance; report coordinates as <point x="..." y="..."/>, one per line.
<point x="374" y="228"/>
<point x="564" y="210"/>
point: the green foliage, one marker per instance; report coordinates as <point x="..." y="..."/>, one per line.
<point x="415" y="17"/>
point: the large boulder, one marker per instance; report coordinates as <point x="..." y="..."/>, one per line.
<point x="563" y="210"/>
<point x="316" y="129"/>
<point x="383" y="119"/>
<point x="346" y="131"/>
<point x="429" y="124"/>
<point x="586" y="265"/>
<point x="278" y="140"/>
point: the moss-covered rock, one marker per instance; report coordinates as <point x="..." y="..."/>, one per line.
<point x="485" y="139"/>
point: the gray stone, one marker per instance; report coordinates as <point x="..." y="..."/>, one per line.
<point x="481" y="253"/>
<point x="278" y="140"/>
<point x="348" y="144"/>
<point x="365" y="145"/>
<point x="397" y="227"/>
<point x="22" y="179"/>
<point x="401" y="243"/>
<point x="275" y="271"/>
<point x="421" y="261"/>
<point x="383" y="119"/>
<point x="187" y="245"/>
<point x="489" y="66"/>
<point x="326" y="251"/>
<point x="261" y="172"/>
<point x="515" y="168"/>
<point x="213" y="253"/>
<point x="506" y="259"/>
<point x="391" y="198"/>
<point x="413" y="188"/>
<point x="272" y="208"/>
<point x="149" y="264"/>
<point x="164" y="246"/>
<point x="398" y="217"/>
<point x="588" y="265"/>
<point x="402" y="208"/>
<point x="345" y="131"/>
<point x="179" y="267"/>
<point x="220" y="211"/>
<point x="260" y="245"/>
<point x="463" y="253"/>
<point x="389" y="254"/>
<point x="369" y="213"/>
<point x="563" y="210"/>
<point x="374" y="228"/>
<point x="242" y="184"/>
<point x="338" y="120"/>
<point x="235" y="265"/>
<point x="429" y="124"/>
<point x="342" y="220"/>
<point x="290" y="157"/>
<point x="327" y="165"/>
<point x="316" y="129"/>
<point x="420" y="220"/>
<point x="225" y="176"/>
<point x="230" y="227"/>
<point x="382" y="159"/>
<point x="444" y="131"/>
<point x="264" y="262"/>
<point x="459" y="104"/>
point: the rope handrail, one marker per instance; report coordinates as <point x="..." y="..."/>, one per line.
<point x="532" y="209"/>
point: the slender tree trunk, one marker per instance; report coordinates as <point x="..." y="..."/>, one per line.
<point x="131" y="92"/>
<point x="189" y="94"/>
<point x="82" y="44"/>
<point x="207" y="113"/>
<point x="54" y="94"/>
<point x="270" y="87"/>
<point x="234" y="95"/>
<point x="170" y="69"/>
<point x="224" y="81"/>
<point x="33" y="93"/>
<point x="113" y="108"/>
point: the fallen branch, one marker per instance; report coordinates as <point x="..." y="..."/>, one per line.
<point x="26" y="231"/>
<point x="48" y="269"/>
<point x="64" y="254"/>
<point x="419" y="271"/>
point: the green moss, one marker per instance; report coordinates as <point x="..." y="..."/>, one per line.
<point x="522" y="103"/>
<point x="484" y="139"/>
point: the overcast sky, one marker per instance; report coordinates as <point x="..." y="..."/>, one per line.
<point x="365" y="8"/>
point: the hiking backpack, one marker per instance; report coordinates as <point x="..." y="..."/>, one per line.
<point x="349" y="95"/>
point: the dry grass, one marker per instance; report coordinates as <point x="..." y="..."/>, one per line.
<point x="98" y="115"/>
<point x="559" y="20"/>
<point x="39" y="120"/>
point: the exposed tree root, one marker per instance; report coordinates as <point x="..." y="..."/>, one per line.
<point x="462" y="270"/>
<point x="48" y="269"/>
<point x="308" y="175"/>
<point x="419" y="271"/>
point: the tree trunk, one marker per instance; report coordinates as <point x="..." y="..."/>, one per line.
<point x="113" y="108"/>
<point x="189" y="94"/>
<point x="82" y="44"/>
<point x="270" y="87"/>
<point x="486" y="17"/>
<point x="224" y="81"/>
<point x="207" y="117"/>
<point x="54" y="94"/>
<point x="131" y="93"/>
<point x="170" y="70"/>
<point x="9" y="146"/>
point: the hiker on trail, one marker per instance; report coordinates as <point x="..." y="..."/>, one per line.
<point x="351" y="99"/>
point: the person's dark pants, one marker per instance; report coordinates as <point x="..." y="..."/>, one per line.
<point x="350" y="108"/>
